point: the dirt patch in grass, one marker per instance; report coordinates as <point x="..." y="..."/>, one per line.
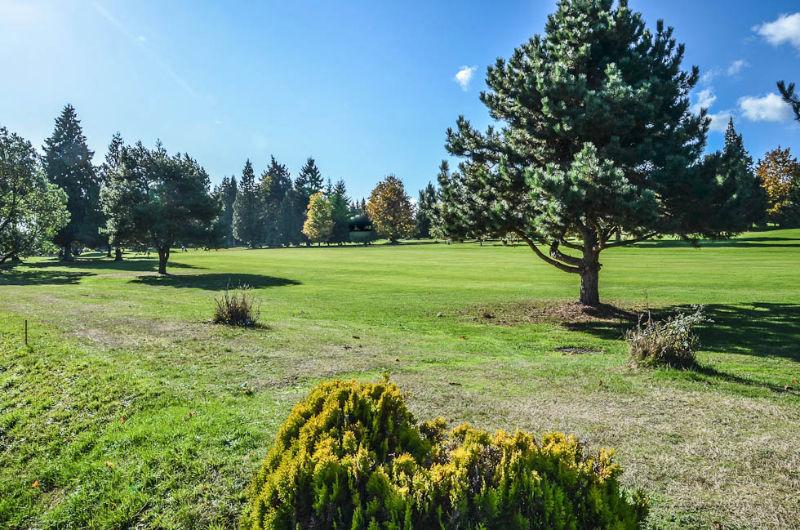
<point x="551" y="312"/>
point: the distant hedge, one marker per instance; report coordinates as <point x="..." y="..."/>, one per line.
<point x="352" y="456"/>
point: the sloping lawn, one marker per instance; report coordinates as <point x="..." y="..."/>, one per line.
<point x="130" y="409"/>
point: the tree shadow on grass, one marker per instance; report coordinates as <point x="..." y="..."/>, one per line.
<point x="737" y="242"/>
<point x="40" y="277"/>
<point x="135" y="264"/>
<point x="214" y="282"/>
<point x="760" y="329"/>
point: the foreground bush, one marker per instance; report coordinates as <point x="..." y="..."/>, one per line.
<point x="671" y="342"/>
<point x="351" y="455"/>
<point x="236" y="308"/>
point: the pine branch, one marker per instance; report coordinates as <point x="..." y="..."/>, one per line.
<point x="564" y="267"/>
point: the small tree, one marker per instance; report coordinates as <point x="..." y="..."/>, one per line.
<point x="68" y="165"/>
<point x="309" y="181"/>
<point x="390" y="209"/>
<point x="248" y="214"/>
<point x="32" y="210"/>
<point x="779" y="174"/>
<point x="425" y="211"/>
<point x="319" y="219"/>
<point x="166" y="199"/>
<point x="341" y="213"/>
<point x="597" y="138"/>
<point x="226" y="193"/>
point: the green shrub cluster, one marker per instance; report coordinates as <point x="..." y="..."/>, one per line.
<point x="352" y="456"/>
<point x="669" y="342"/>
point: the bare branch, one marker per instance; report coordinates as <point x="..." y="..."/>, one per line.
<point x="564" y="267"/>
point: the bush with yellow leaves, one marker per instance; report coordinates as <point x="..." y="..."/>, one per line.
<point x="352" y="456"/>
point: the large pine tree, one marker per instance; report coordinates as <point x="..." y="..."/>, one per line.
<point x="595" y="137"/>
<point x="111" y="165"/>
<point x="68" y="165"/>
<point x="425" y="211"/>
<point x="248" y="214"/>
<point x="226" y="195"/>
<point x="341" y="213"/>
<point x="308" y="182"/>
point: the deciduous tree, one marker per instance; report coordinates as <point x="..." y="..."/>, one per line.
<point x="32" y="210"/>
<point x="390" y="209"/>
<point x="319" y="219"/>
<point x="779" y="173"/>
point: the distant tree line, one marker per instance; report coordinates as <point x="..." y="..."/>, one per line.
<point x="147" y="198"/>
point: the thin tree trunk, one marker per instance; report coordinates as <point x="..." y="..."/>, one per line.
<point x="108" y="250"/>
<point x="67" y="252"/>
<point x="117" y="253"/>
<point x="163" y="257"/>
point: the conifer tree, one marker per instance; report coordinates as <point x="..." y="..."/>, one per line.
<point x="275" y="185"/>
<point x="341" y="213"/>
<point x="226" y="195"/>
<point x="107" y="172"/>
<point x="425" y="211"/>
<point x="595" y="137"/>
<point x="68" y="165"/>
<point x="390" y="210"/>
<point x="248" y="215"/>
<point x="790" y="97"/>
<point x="319" y="219"/>
<point x="32" y="209"/>
<point x="308" y="182"/>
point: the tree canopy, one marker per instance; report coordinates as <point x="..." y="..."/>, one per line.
<point x="779" y="173"/>
<point x="319" y="219"/>
<point x="595" y="138"/>
<point x="390" y="209"/>
<point x="32" y="210"/>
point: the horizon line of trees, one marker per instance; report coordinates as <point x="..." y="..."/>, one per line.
<point x="141" y="198"/>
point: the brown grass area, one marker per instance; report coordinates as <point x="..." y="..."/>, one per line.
<point x="550" y="312"/>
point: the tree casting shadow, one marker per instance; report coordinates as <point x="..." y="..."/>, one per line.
<point x="760" y="329"/>
<point x="214" y="282"/>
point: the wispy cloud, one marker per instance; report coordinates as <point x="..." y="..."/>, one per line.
<point x="737" y="66"/>
<point x="464" y="76"/>
<point x="703" y="100"/>
<point x="141" y="42"/>
<point x="766" y="108"/>
<point x="785" y="29"/>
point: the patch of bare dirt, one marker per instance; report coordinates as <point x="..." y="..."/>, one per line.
<point x="551" y="312"/>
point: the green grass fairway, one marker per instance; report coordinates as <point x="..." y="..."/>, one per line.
<point x="130" y="410"/>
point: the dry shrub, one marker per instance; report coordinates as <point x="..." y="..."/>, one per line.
<point x="669" y="342"/>
<point x="237" y="308"/>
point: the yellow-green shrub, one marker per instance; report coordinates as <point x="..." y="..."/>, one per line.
<point x="352" y="456"/>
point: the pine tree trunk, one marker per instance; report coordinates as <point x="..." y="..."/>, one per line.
<point x="117" y="253"/>
<point x="163" y="257"/>
<point x="590" y="286"/>
<point x="67" y="252"/>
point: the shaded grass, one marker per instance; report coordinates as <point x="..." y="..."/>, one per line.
<point x="201" y="402"/>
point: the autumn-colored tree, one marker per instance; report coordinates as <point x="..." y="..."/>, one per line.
<point x="319" y="218"/>
<point x="390" y="209"/>
<point x="779" y="173"/>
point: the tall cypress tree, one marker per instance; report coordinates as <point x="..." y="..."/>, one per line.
<point x="275" y="185"/>
<point x="68" y="165"/>
<point x="225" y="193"/>
<point x="595" y="137"/>
<point x="248" y="215"/>
<point x="110" y="165"/>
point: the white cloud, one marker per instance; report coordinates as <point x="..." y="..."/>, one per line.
<point x="464" y="76"/>
<point x="703" y="100"/>
<point x="737" y="66"/>
<point x="719" y="120"/>
<point x="767" y="108"/>
<point x="784" y="29"/>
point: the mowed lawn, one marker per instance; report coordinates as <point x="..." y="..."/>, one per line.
<point x="129" y="409"/>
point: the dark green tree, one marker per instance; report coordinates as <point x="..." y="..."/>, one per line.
<point x="425" y="211"/>
<point x="248" y="214"/>
<point x="740" y="201"/>
<point x="225" y="193"/>
<point x="275" y="185"/>
<point x="32" y="210"/>
<point x="107" y="172"/>
<point x="68" y="165"/>
<point x="341" y="213"/>
<point x="595" y="137"/>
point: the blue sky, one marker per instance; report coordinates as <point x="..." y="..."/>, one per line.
<point x="367" y="88"/>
